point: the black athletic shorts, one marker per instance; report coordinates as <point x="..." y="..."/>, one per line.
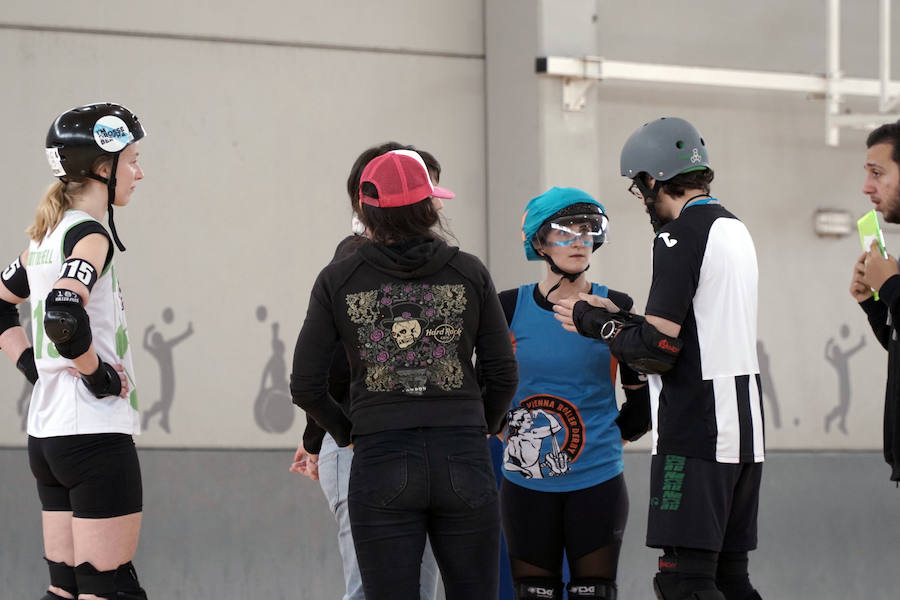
<point x="539" y="525"/>
<point x="95" y="476"/>
<point x="703" y="504"/>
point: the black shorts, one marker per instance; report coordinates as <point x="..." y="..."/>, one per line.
<point x="539" y="525"/>
<point x="96" y="476"/>
<point x="703" y="504"/>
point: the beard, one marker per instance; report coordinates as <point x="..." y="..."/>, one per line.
<point x="891" y="212"/>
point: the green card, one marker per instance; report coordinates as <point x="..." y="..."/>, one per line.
<point x="870" y="231"/>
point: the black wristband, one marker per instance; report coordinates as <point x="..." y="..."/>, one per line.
<point x="26" y="365"/>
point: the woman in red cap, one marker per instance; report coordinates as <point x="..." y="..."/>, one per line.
<point x="409" y="311"/>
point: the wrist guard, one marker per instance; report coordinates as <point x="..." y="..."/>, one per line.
<point x="103" y="382"/>
<point x="593" y="321"/>
<point x="26" y="365"/>
<point x="634" y="416"/>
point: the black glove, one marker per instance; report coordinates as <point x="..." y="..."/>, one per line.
<point x="596" y="322"/>
<point x="634" y="416"/>
<point x="27" y="366"/>
<point x="103" y="382"/>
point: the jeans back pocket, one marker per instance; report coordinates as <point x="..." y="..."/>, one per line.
<point x="380" y="479"/>
<point x="472" y="480"/>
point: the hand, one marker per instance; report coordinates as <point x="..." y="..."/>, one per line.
<point x="305" y="463"/>
<point x="876" y="269"/>
<point x="557" y="464"/>
<point x="858" y="288"/>
<point x="564" y="308"/>
<point x="107" y="380"/>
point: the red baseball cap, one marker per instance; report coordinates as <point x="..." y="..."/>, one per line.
<point x="401" y="178"/>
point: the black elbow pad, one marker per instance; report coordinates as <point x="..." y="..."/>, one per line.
<point x="9" y="315"/>
<point x="67" y="323"/>
<point x="644" y="348"/>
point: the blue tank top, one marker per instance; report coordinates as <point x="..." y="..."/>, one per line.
<point x="562" y="434"/>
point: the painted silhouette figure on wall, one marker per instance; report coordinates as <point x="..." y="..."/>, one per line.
<point x="273" y="409"/>
<point x="161" y="349"/>
<point x="768" y="386"/>
<point x="840" y="360"/>
<point x="25" y="395"/>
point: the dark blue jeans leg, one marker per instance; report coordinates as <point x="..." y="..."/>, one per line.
<point x="388" y="512"/>
<point x="464" y="518"/>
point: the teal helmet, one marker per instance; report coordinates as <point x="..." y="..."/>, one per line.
<point x="559" y="202"/>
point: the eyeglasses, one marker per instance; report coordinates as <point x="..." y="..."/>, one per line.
<point x="588" y="233"/>
<point x="635" y="190"/>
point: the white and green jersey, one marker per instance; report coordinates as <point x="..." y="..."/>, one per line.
<point x="60" y="403"/>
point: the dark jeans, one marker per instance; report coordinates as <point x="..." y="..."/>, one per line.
<point x="435" y="480"/>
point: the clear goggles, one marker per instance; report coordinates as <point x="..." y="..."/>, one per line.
<point x="588" y="229"/>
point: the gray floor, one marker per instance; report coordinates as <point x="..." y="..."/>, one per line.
<point x="236" y="524"/>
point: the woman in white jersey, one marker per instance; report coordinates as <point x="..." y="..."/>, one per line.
<point x="83" y="409"/>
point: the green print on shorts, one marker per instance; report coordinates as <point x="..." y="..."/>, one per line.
<point x="673" y="478"/>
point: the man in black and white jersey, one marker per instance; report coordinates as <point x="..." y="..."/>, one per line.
<point x="697" y="343"/>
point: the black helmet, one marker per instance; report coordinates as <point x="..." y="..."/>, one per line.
<point x="78" y="137"/>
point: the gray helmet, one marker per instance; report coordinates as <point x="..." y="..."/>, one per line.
<point x="664" y="148"/>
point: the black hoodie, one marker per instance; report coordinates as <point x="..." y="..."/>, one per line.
<point x="409" y="317"/>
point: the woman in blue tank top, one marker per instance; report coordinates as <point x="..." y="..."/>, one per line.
<point x="563" y="488"/>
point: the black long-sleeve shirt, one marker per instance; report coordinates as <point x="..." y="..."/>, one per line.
<point x="409" y="318"/>
<point x="883" y="315"/>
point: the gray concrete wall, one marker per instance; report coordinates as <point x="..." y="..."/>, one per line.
<point x="236" y="524"/>
<point x="253" y="123"/>
<point x="255" y="112"/>
<point x="773" y="170"/>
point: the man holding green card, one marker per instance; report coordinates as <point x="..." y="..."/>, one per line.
<point x="876" y="271"/>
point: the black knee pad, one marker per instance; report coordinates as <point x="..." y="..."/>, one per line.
<point x="733" y="578"/>
<point x="538" y="588"/>
<point x="592" y="588"/>
<point x="63" y="577"/>
<point x="687" y="574"/>
<point x="119" y="584"/>
<point x="668" y="587"/>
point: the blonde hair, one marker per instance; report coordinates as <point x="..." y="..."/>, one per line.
<point x="56" y="202"/>
<point x="49" y="211"/>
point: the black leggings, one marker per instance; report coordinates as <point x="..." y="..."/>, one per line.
<point x="588" y="524"/>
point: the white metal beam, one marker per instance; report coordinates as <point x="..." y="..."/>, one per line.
<point x="886" y="101"/>
<point x="579" y="75"/>
<point x="596" y="68"/>
<point x="834" y="75"/>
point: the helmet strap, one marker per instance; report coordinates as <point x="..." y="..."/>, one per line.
<point x="111" y="198"/>
<point x="570" y="276"/>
